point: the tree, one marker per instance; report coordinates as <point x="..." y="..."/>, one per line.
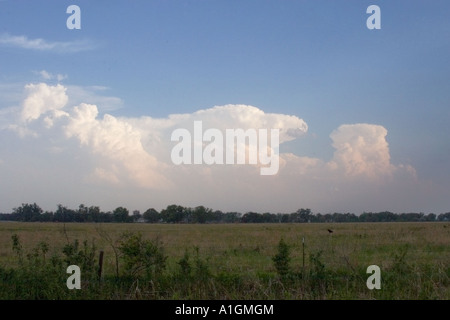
<point x="252" y="217"/>
<point x="217" y="216"/>
<point x="62" y="214"/>
<point x="201" y="214"/>
<point x="94" y="213"/>
<point x="28" y="212"/>
<point x="268" y="217"/>
<point x="444" y="217"/>
<point x="302" y="215"/>
<point x="83" y="213"/>
<point x="47" y="216"/>
<point x="151" y="216"/>
<point x="173" y="214"/>
<point x="121" y="214"/>
<point x="136" y="215"/>
<point x="283" y="217"/>
<point x="231" y="217"/>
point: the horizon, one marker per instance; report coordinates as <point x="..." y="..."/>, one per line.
<point x="131" y="211"/>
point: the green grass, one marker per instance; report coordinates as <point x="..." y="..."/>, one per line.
<point x="237" y="261"/>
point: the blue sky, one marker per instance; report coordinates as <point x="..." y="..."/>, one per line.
<point x="315" y="60"/>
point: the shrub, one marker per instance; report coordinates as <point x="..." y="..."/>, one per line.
<point x="282" y="259"/>
<point x="83" y="257"/>
<point x="142" y="257"/>
<point x="201" y="266"/>
<point x="185" y="266"/>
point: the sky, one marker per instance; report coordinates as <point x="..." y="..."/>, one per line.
<point x="87" y="115"/>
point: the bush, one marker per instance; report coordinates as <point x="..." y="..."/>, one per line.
<point x="83" y="257"/>
<point x="142" y="257"/>
<point x="185" y="266"/>
<point x="282" y="259"/>
<point x="201" y="266"/>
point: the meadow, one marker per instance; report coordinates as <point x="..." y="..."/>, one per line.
<point x="226" y="261"/>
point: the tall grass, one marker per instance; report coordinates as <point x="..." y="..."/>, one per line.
<point x="145" y="261"/>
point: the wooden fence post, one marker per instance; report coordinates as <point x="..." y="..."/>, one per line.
<point x="303" y="252"/>
<point x="100" y="265"/>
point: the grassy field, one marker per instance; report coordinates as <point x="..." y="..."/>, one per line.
<point x="235" y="260"/>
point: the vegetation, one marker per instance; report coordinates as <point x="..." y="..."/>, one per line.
<point x="225" y="261"/>
<point x="282" y="259"/>
<point x="179" y="214"/>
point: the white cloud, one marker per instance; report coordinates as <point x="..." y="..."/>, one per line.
<point x="361" y="154"/>
<point x="40" y="44"/>
<point x="41" y="99"/>
<point x="249" y="117"/>
<point x="128" y="159"/>
<point x="45" y="75"/>
<point x="361" y="149"/>
<point x="118" y="143"/>
<point x="156" y="133"/>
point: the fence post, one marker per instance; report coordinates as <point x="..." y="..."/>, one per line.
<point x="100" y="265"/>
<point x="303" y="249"/>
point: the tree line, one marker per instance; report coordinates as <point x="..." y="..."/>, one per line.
<point x="180" y="214"/>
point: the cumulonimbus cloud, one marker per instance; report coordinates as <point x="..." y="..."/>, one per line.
<point x="361" y="152"/>
<point x="361" y="149"/>
<point x="134" y="153"/>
